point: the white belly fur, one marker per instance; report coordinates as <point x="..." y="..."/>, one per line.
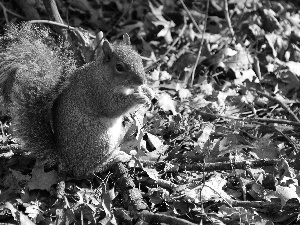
<point x="115" y="129"/>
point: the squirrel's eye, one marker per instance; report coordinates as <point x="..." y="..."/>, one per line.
<point x="120" y="67"/>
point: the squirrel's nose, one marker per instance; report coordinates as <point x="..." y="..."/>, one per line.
<point x="140" y="80"/>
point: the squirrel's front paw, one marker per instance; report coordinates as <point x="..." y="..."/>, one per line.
<point x="144" y="95"/>
<point x="141" y="98"/>
<point x="148" y="92"/>
<point x="122" y="157"/>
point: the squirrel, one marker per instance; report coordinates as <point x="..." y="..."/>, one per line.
<point x="74" y="116"/>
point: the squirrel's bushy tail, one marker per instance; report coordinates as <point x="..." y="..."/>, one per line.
<point x="33" y="71"/>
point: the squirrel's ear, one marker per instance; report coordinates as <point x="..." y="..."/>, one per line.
<point x="98" y="43"/>
<point x="107" y="50"/>
<point x="126" y="39"/>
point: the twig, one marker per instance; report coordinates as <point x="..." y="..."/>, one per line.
<point x="5" y="14"/>
<point x="52" y="23"/>
<point x="265" y="205"/>
<point x="201" y="44"/>
<point x="5" y="10"/>
<point x="154" y="64"/>
<point x="162" y="218"/>
<point x="176" y="40"/>
<point x="199" y="30"/>
<point x="293" y="143"/>
<point x="226" y="12"/>
<point x="58" y="24"/>
<point x="228" y="165"/>
<point x="283" y="105"/>
<point x="214" y="166"/>
<point x="249" y="120"/>
<point x="52" y="11"/>
<point x="191" y="17"/>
